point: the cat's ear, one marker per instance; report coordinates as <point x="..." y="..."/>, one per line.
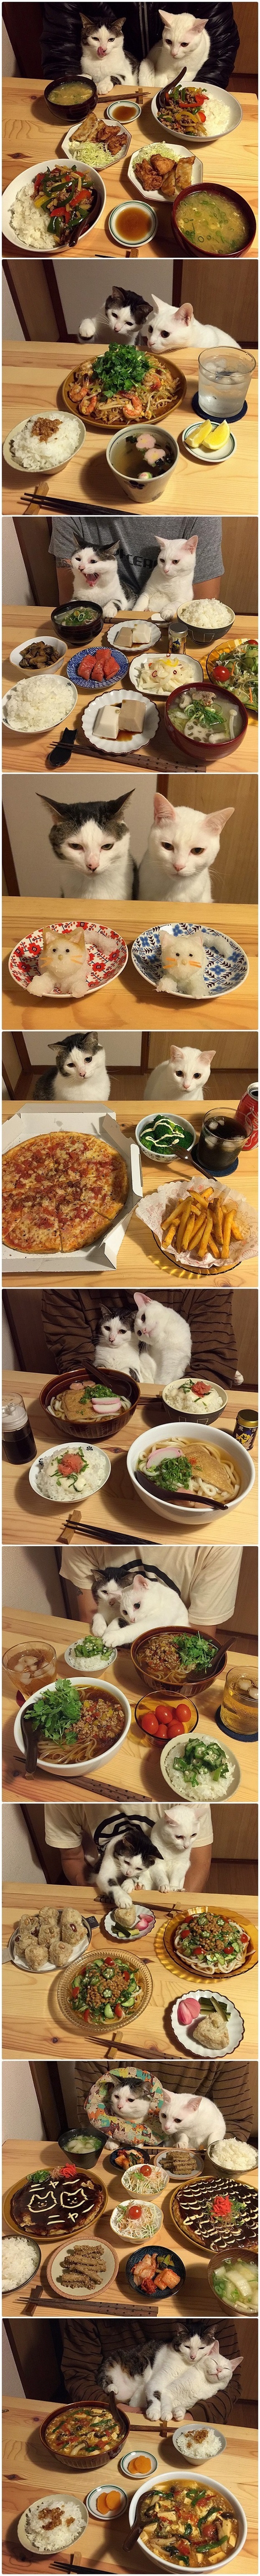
<point x="192" y="2101"/>
<point x="138" y="1299"/>
<point x="156" y="302"/>
<point x="112" y="550"/>
<point x="189" y="546"/>
<point x="53" y="802"/>
<point x="185" y="313"/>
<point x="221" y="817"/>
<point x="208" y="1058"/>
<point x="161" y="806"/>
<point x="233" y="2365"/>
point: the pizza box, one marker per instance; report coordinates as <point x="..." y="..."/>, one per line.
<point x="39" y="1122"/>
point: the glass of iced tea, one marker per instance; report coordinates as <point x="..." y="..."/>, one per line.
<point x="29" y="1666"/>
<point x="239" y="1706"/>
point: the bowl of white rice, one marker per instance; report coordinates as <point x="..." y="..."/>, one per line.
<point x="39" y="704"/>
<point x="52" y="2523"/>
<point x="21" y="2257"/>
<point x="47" y="1479"/>
<point x="233" y="2155"/>
<point x="206" y="620"/>
<point x="43" y="442"/>
<point x="198" y="2443"/>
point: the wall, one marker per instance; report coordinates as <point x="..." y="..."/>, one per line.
<point x="247" y="25"/>
<point x="83" y="286"/>
<point x="11" y="327"/>
<point x="119" y="1051"/>
<point x="16" y="586"/>
<point x="240" y="554"/>
<point x="229" y="298"/>
<point x="19" y="1858"/>
<point x="30" y="1581"/>
<point x="29" y="825"/>
<point x="234" y="1056"/>
<point x="12" y="2384"/>
<point x="231" y="882"/>
<point x="21" y="2116"/>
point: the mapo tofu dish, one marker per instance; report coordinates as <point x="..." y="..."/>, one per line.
<point x="188" y="2525"/>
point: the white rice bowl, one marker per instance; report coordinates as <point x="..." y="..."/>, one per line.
<point x="46" y="1479"/>
<point x="26" y="449"/>
<point x="33" y="2530"/>
<point x="20" y="2258"/>
<point x="39" y="703"/>
<point x="198" y="2444"/>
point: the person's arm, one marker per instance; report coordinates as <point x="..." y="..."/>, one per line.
<point x="199" y="1869"/>
<point x="65" y="583"/>
<point x="207" y="589"/>
<point x="213" y="1585"/>
<point x="81" y="1861"/>
<point x="86" y="1605"/>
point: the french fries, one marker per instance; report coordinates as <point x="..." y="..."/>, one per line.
<point x="201" y="1224"/>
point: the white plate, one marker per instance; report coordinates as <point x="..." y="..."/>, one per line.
<point x="154" y="195"/>
<point x="195" y="1512"/>
<point x="128" y="2456"/>
<point x="56" y="2265"/>
<point x="134" y="742"/>
<point x="89" y="1448"/>
<point x="30" y="2545"/>
<point x="195" y="673"/>
<point x="46" y="470"/>
<point x="47" y="1963"/>
<point x="236" y="2027"/>
<point x="74" y="1769"/>
<point x="175" y="1749"/>
<point x="76" y="162"/>
<point x="139" y="1931"/>
<point x="8" y="200"/>
<point x="114" y="632"/>
<point x="18" y="649"/>
<point x="93" y="2505"/>
<point x="211" y="92"/>
<point x="219" y="456"/>
<point x="56" y="723"/>
<point x="162" y="2479"/>
<point x="98" y="1664"/>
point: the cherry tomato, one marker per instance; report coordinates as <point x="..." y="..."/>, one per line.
<point x="182" y="1710"/>
<point x="149" y="1723"/>
<point x="162" y="1711"/>
<point x="162" y="1732"/>
<point x="175" y="1726"/>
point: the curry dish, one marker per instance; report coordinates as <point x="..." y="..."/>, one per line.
<point x="188" y="2525"/>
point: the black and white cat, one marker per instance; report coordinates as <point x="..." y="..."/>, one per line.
<point x="94" y="840"/>
<point x="79" y="1074"/>
<point x="122" y="317"/>
<point x="184" y="47"/>
<point x="181" y="1076"/>
<point x="96" y="577"/>
<point x="103" y="57"/>
<point x="134" y="1597"/>
<point x="157" y="1348"/>
<point x="174" y="326"/>
<point x="170" y="585"/>
<point x="147" y="1847"/>
<point x="183" y="844"/>
<point x="167" y="2387"/>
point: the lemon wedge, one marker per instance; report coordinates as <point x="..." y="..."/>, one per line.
<point x="209" y="438"/>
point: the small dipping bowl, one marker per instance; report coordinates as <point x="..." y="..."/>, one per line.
<point x="126" y="438"/>
<point x="224" y="377"/>
<point x="133" y="226"/>
<point x="131" y="110"/>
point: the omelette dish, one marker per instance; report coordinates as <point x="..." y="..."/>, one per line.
<point x="61" y="1191"/>
<point x="188" y="2524"/>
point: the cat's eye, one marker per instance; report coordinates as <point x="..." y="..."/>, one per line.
<point x="197" y="853"/>
<point x="164" y="335"/>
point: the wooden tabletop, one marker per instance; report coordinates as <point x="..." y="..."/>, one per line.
<point x="135" y="1772"/>
<point x="33" y="2023"/>
<point x="140" y="1256"/>
<point x="127" y="1003"/>
<point x="27" y="1518"/>
<point x="88" y="478"/>
<point x="31" y="751"/>
<point x="26" y="2476"/>
<point x="31" y="133"/>
<point x="19" y="2156"/>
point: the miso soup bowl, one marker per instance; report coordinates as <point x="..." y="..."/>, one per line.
<point x="233" y="198"/>
<point x="132" y="483"/>
<point x="203" y="754"/>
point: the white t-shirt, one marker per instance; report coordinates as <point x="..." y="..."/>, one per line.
<point x="206" y="1577"/>
<point x="64" y="1826"/>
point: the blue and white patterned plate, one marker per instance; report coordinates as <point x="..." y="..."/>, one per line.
<point x="227" y="965"/>
<point x="73" y="668"/>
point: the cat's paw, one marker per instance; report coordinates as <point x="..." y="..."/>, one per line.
<point x="87" y="330"/>
<point x="153" y="2412"/>
<point x="98" y="1625"/>
<point x="160" y="1875"/>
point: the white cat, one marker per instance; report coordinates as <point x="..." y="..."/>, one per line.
<point x="63" y="963"/>
<point x="133" y="1598"/>
<point x="162" y="1331"/>
<point x="167" y="2387"/>
<point x="174" y="326"/>
<point x="171" y="580"/>
<point x="183" y="964"/>
<point x="103" y="57"/>
<point x="97" y="576"/>
<point x="192" y="2119"/>
<point x="181" y="1076"/>
<point x="185" y="45"/>
<point x="182" y="846"/>
<point x="79" y="1075"/>
<point x="172" y="1832"/>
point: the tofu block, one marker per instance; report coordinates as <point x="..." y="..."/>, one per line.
<point x="107" y="723"/>
<point x="131" y="715"/>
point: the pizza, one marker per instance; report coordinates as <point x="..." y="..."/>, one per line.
<point x="61" y="1192"/>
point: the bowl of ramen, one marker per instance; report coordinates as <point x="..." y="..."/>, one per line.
<point x="190" y="1474"/>
<point x="193" y="1769"/>
<point x="237" y="666"/>
<point x="55" y="2200"/>
<point x="96" y="1401"/>
<point x="198" y="114"/>
<point x="50" y="208"/>
<point x="88" y="2435"/>
<point x="186" y="2523"/>
<point x="121" y="387"/>
<point x="155" y="170"/>
<point x="71" y="1726"/>
<point x="116" y="1991"/>
<point x="234" y="2280"/>
<point x="207" y="2025"/>
<point x="208" y="717"/>
<point x="154" y="2273"/>
<point x="176" y="1659"/>
<point x="214" y="222"/>
<point x="209" y="1942"/>
<point x="210" y="2215"/>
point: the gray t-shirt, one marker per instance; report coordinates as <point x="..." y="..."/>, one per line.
<point x="137" y="542"/>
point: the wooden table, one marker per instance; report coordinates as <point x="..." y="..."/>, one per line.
<point x="87" y="479"/>
<point x="26" y="2476"/>
<point x="31" y="752"/>
<point x="115" y="1507"/>
<point x="127" y="1003"/>
<point x="140" y="1256"/>
<point x="18" y="2157"/>
<point x="32" y="134"/>
<point x="134" y="1772"/>
<point x="33" y="2024"/>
